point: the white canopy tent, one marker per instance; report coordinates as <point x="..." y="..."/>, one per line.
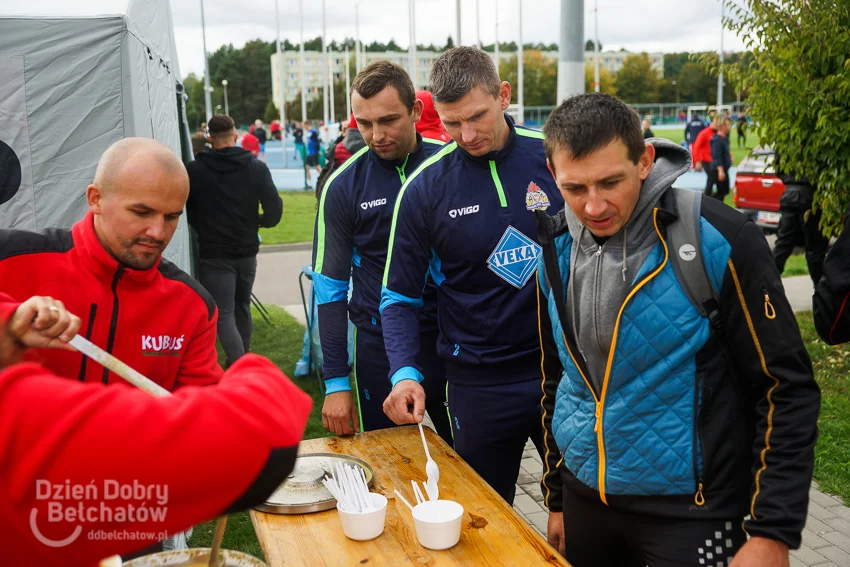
<point x="72" y="85"/>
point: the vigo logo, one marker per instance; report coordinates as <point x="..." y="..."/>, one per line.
<point x="376" y="203"/>
<point x="162" y="345"/>
<point x="454" y="213"/>
<point x="687" y="252"/>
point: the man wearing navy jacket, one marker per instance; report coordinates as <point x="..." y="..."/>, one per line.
<point x="352" y="231"/>
<point x="466" y="216"/>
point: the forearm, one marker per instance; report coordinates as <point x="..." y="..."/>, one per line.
<point x="400" y="323"/>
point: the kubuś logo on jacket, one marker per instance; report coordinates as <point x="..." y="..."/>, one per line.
<point x="162" y="345"/>
<point x="515" y="257"/>
<point x="535" y="198"/>
<point x="376" y="203"/>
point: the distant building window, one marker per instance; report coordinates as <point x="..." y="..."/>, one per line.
<point x="293" y="62"/>
<point x="292" y="91"/>
<point x="337" y="76"/>
<point x="292" y="76"/>
<point x="337" y="61"/>
<point x="424" y="61"/>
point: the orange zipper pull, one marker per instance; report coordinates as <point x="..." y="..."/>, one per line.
<point x="699" y="498"/>
<point x="598" y="417"/>
<point x="769" y="311"/>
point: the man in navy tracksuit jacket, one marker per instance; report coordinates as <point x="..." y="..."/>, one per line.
<point x="352" y="231"/>
<point x="465" y="216"/>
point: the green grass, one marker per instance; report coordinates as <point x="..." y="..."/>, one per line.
<point x="281" y="343"/>
<point x="832" y="370"/>
<point x="296" y="225"/>
<point x="796" y="266"/>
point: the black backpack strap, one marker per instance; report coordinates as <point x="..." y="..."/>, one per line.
<point x="548" y="228"/>
<point x="685" y="243"/>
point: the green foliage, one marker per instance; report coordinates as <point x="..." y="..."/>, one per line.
<point x="271" y="112"/>
<point x="540" y="76"/>
<point x="606" y="80"/>
<point x="637" y="81"/>
<point x="449" y="43"/>
<point x="588" y="45"/>
<point x="798" y="82"/>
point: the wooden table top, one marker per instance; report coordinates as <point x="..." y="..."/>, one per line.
<point x="492" y="533"/>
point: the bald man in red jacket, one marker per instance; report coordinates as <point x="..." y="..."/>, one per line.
<point x="90" y="471"/>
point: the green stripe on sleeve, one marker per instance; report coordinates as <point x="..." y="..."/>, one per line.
<point x="495" y="174"/>
<point x="443" y="152"/>
<point x="320" y="240"/>
<point x="529" y="133"/>
<point x="433" y="141"/>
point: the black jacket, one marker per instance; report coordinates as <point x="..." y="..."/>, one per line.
<point x="720" y="153"/>
<point x="261" y="135"/>
<point x="831" y="301"/>
<point x="227" y="187"/>
<point x="756" y="406"/>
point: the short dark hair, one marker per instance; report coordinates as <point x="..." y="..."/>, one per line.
<point x="220" y="125"/>
<point x="378" y="75"/>
<point x="461" y="69"/>
<point x="585" y="123"/>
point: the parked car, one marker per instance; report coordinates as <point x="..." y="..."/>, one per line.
<point x="758" y="188"/>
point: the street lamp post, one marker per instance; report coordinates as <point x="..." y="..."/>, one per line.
<point x="347" y="84"/>
<point x="720" y="75"/>
<point x="301" y="64"/>
<point x="333" y="88"/>
<point x="478" y="23"/>
<point x="497" y="34"/>
<point x="411" y="49"/>
<point x="282" y="84"/>
<point x="597" y="86"/>
<point x="520" y="95"/>
<point x="358" y="64"/>
<point x="457" y="21"/>
<point x="325" y="67"/>
<point x="226" y="107"/>
<point x="676" y="86"/>
<point x="207" y="88"/>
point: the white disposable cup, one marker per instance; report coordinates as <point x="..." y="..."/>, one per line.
<point x="438" y="523"/>
<point x="363" y="526"/>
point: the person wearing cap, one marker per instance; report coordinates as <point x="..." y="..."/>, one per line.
<point x="352" y="232"/>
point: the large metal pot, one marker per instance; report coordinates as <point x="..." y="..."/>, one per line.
<point x="174" y="558"/>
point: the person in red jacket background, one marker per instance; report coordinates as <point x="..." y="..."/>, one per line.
<point x="108" y="269"/>
<point x="251" y="143"/>
<point x="91" y="471"/>
<point x="430" y="125"/>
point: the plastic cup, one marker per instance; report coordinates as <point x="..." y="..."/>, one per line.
<point x="438" y="523"/>
<point x="363" y="526"/>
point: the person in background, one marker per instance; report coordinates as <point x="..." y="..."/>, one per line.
<point x="251" y="143"/>
<point x="430" y="125"/>
<point x="721" y="159"/>
<point x="274" y="128"/>
<point x="349" y="142"/>
<point x="227" y="186"/>
<point x="261" y="135"/>
<point x="647" y="130"/>
<point x="692" y="130"/>
<point x="314" y="146"/>
<point x="244" y="433"/>
<point x="831" y="300"/>
<point x="199" y="143"/>
<point x="741" y="127"/>
<point x="799" y="222"/>
<point x="701" y="154"/>
<point x="298" y="136"/>
<point x="109" y="269"/>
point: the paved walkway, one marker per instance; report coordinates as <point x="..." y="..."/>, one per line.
<point x="826" y="540"/>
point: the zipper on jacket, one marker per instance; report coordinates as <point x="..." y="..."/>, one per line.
<point x="400" y="169"/>
<point x="596" y="300"/>
<point x="503" y="201"/>
<point x="114" y="323"/>
<point x="600" y="402"/>
<point x="699" y="497"/>
<point x="769" y="311"/>
<point x="92" y="312"/>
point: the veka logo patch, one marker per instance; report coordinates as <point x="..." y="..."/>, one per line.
<point x="535" y="198"/>
<point x="454" y="213"/>
<point x="515" y="258"/>
<point x="162" y="345"/>
<point x="370" y="204"/>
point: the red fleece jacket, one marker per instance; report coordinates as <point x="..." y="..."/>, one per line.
<point x="160" y="321"/>
<point x="430" y="125"/>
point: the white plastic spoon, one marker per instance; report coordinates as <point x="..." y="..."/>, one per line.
<point x="431" y="470"/>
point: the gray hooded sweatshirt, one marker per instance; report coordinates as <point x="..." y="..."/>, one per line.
<point x="602" y="275"/>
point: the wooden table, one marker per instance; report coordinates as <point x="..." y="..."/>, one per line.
<point x="493" y="534"/>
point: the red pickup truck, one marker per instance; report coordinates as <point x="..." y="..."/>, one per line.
<point x="757" y="188"/>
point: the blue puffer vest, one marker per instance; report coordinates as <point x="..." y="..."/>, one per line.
<point x="640" y="435"/>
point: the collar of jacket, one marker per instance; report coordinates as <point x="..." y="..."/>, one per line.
<point x="392" y="165"/>
<point x="496" y="155"/>
<point x="99" y="261"/>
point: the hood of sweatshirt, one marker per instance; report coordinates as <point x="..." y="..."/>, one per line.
<point x="601" y="275"/>
<point x="225" y="160"/>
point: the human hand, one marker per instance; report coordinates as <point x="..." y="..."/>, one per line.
<point x="762" y="552"/>
<point x="721" y="175"/>
<point x="339" y="414"/>
<point x="404" y="394"/>
<point x="43" y="322"/>
<point x="555" y="532"/>
<point x="698" y="166"/>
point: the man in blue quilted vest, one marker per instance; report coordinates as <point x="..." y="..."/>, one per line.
<point x="664" y="428"/>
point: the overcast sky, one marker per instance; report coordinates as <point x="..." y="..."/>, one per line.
<point x="654" y="25"/>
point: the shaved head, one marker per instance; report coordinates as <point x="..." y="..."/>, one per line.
<point x="137" y="196"/>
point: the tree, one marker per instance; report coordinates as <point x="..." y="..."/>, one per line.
<point x="637" y="82"/>
<point x="271" y="112"/>
<point x="540" y="76"/>
<point x="195" y="110"/>
<point x="449" y="43"/>
<point x="588" y="45"/>
<point x="673" y="63"/>
<point x="606" y="80"/>
<point x="696" y="84"/>
<point x="799" y="84"/>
